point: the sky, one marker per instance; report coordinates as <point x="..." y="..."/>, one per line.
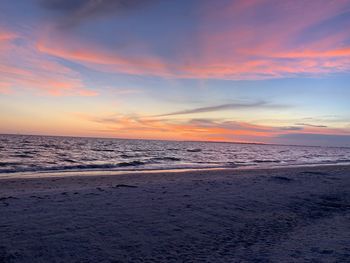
<point x="260" y="71"/>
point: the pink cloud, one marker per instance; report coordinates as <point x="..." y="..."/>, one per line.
<point x="99" y="57"/>
<point x="24" y="68"/>
<point x="253" y="39"/>
<point x="5" y="88"/>
<point x="267" y="39"/>
<point x="6" y="35"/>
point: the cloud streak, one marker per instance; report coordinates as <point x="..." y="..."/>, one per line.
<point x="311" y="125"/>
<point x="222" y="107"/>
<point x="99" y="58"/>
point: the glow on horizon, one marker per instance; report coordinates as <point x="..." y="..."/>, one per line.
<point x="262" y="71"/>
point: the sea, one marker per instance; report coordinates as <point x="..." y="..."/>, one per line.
<point x="37" y="154"/>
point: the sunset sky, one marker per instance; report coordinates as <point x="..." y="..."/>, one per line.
<point x="266" y="71"/>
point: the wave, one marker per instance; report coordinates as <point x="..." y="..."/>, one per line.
<point x="72" y="167"/>
<point x="266" y="161"/>
<point x="173" y="149"/>
<point x="194" y="150"/>
<point x="30" y="152"/>
<point x="166" y="159"/>
<point x="22" y="155"/>
<point x="343" y="161"/>
<point x="125" y="156"/>
<point x="69" y="161"/>
<point x="233" y="164"/>
<point x="133" y="163"/>
<point x="62" y="153"/>
<point x="103" y="150"/>
<point x="3" y="164"/>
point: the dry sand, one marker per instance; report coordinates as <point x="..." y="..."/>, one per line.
<point x="276" y="215"/>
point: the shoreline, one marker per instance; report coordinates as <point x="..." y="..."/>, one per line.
<point x="113" y="172"/>
<point x="298" y="214"/>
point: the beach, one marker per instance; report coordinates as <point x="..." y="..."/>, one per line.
<point x="299" y="214"/>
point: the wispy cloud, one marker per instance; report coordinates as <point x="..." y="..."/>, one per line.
<point x="311" y="125"/>
<point x="100" y="58"/>
<point x="291" y="128"/>
<point x="24" y="67"/>
<point x="222" y="107"/>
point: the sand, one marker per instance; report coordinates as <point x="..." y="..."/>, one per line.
<point x="277" y="215"/>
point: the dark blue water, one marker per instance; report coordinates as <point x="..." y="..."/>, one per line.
<point x="19" y="153"/>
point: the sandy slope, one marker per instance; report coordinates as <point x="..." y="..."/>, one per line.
<point x="280" y="215"/>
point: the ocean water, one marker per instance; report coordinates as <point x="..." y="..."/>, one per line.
<point x="21" y="153"/>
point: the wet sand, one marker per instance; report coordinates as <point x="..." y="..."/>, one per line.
<point x="277" y="215"/>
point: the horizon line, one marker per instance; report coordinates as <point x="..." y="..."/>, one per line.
<point x="167" y="140"/>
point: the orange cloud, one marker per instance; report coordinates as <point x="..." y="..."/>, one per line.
<point x="202" y="130"/>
